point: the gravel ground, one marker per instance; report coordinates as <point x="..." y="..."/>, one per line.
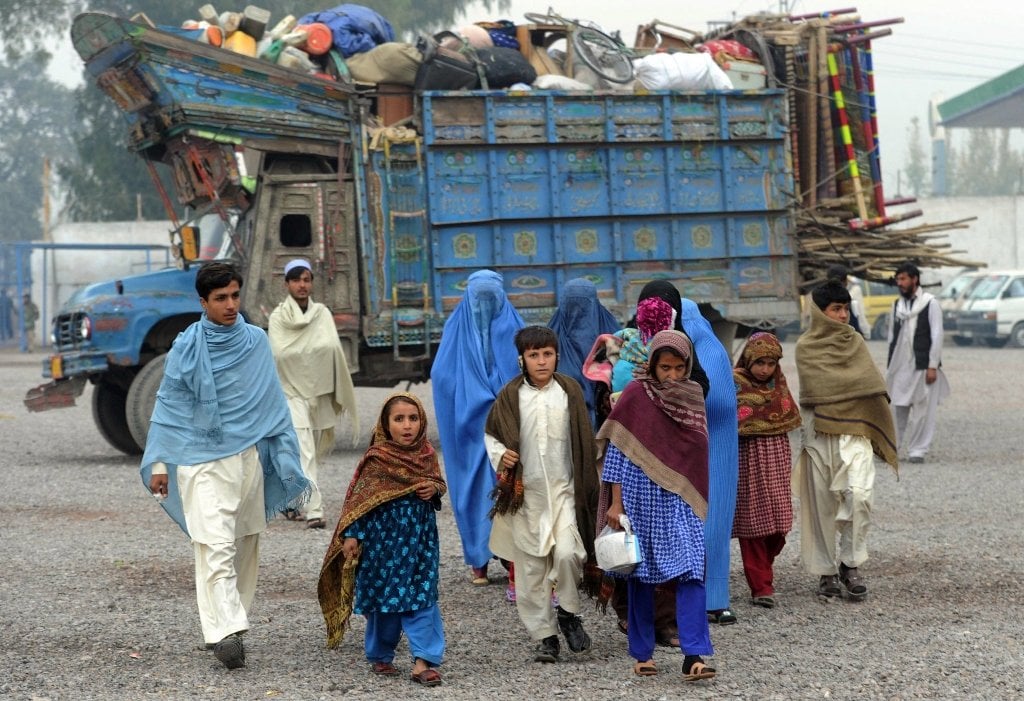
<point x="97" y="598"/>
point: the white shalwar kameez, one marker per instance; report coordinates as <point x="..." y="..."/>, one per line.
<point x="541" y="538"/>
<point x="311" y="417"/>
<point x="223" y="506"/>
<point x="914" y="401"/>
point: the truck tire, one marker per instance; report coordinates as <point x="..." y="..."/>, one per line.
<point x="963" y="340"/>
<point x="108" y="412"/>
<point x="142" y="398"/>
<point x="1017" y="335"/>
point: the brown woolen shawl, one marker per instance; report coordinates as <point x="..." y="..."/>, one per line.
<point x="503" y="424"/>
<point x="387" y="471"/>
<point x="764" y="408"/>
<point x="840" y="382"/>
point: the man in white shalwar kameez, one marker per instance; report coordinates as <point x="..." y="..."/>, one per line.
<point x="314" y="375"/>
<point x="914" y="372"/>
<point x="221" y="455"/>
<point x="537" y="433"/>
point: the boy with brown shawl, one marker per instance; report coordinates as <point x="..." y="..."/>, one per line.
<point x="539" y="439"/>
<point x="846" y="422"/>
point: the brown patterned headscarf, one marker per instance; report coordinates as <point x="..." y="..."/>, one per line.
<point x="763" y="408"/>
<point x="388" y="471"/>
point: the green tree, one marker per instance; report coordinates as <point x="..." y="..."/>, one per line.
<point x="917" y="168"/>
<point x="987" y="165"/>
<point x="33" y="122"/>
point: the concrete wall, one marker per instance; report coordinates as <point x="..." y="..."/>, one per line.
<point x="996" y="238"/>
<point x="68" y="270"/>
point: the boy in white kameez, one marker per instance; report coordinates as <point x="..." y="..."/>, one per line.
<point x="221" y="454"/>
<point x="539" y="439"/>
<point x="314" y="375"/>
<point x="846" y="422"/>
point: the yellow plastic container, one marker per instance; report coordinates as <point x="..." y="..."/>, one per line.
<point x="241" y="43"/>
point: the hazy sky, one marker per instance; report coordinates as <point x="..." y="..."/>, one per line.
<point x="942" y="49"/>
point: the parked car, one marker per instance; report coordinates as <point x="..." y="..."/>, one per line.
<point x="952" y="298"/>
<point x="994" y="310"/>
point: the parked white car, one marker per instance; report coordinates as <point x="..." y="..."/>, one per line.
<point x="994" y="310"/>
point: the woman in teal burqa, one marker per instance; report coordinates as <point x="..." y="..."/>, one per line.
<point x="723" y="460"/>
<point x="474" y="361"/>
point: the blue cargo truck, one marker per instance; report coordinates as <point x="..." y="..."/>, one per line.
<point x="542" y="186"/>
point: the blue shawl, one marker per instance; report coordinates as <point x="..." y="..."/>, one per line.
<point x="723" y="453"/>
<point x="578" y="321"/>
<point x="220" y="395"/>
<point x="475" y="359"/>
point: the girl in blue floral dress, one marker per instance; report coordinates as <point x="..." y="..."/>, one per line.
<point x="656" y="473"/>
<point x="383" y="559"/>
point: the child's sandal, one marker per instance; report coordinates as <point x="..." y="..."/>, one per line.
<point x="645" y="669"/>
<point x="694" y="669"/>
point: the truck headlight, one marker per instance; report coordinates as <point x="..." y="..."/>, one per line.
<point x="989" y="316"/>
<point x="85" y="328"/>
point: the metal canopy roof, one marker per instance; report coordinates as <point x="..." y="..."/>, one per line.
<point x="995" y="104"/>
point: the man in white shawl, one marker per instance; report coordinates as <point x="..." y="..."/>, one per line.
<point x="314" y="375"/>
<point x="914" y="374"/>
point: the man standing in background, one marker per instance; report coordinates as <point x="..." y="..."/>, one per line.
<point x="914" y="374"/>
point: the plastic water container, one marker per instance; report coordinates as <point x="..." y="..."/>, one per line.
<point x="241" y="43"/>
<point x="318" y="38"/>
<point x="208" y="34"/>
<point x="283" y="27"/>
<point x="296" y="59"/>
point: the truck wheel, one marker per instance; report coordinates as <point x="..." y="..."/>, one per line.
<point x="993" y="342"/>
<point x="142" y="398"/>
<point x="1017" y="335"/>
<point x="963" y="340"/>
<point x="108" y="412"/>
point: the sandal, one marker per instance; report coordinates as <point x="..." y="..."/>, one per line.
<point x="315" y="523"/>
<point x="723" y="617"/>
<point x="428" y="677"/>
<point x="767" y="601"/>
<point x="623" y="626"/>
<point x="292" y="514"/>
<point x="645" y="669"/>
<point x="480" y="576"/>
<point x="384" y="669"/>
<point x="694" y="669"/>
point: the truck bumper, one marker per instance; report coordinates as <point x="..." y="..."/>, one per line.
<point x="65" y="365"/>
<point x="55" y="395"/>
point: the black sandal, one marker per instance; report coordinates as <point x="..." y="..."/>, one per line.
<point x="723" y="617"/>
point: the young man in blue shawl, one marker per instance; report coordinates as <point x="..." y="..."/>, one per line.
<point x="475" y="360"/>
<point x="221" y="454"/>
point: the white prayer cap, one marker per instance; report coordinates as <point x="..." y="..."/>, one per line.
<point x="297" y="263"/>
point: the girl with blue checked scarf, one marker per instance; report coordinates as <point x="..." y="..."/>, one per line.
<point x="655" y="472"/>
<point x="475" y="359"/>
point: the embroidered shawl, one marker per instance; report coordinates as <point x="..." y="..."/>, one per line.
<point x="764" y="408"/>
<point x="386" y="472"/>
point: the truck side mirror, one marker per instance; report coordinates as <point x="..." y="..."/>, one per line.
<point x="190" y="242"/>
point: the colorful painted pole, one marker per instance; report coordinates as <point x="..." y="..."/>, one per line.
<point x="847" y="138"/>
<point x="869" y="134"/>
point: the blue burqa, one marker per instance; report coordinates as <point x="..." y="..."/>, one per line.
<point x="477" y="356"/>
<point x="578" y="321"/>
<point x="724" y="456"/>
<point x="220" y="395"/>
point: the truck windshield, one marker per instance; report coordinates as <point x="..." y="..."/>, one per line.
<point x="214" y="241"/>
<point x="988" y="287"/>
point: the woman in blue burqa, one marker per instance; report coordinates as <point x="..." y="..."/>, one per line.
<point x="578" y="321"/>
<point x="475" y="359"/>
<point x="723" y="457"/>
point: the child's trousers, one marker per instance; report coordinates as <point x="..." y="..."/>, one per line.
<point x="691" y="619"/>
<point x="423" y="629"/>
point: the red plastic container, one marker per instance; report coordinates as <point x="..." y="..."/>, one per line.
<point x="318" y="38"/>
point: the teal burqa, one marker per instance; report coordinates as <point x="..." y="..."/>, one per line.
<point x="723" y="453"/>
<point x="477" y="356"/>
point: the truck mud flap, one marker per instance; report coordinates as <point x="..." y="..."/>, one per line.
<point x="54" y="395"/>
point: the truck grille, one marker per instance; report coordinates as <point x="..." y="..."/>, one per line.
<point x="66" y="331"/>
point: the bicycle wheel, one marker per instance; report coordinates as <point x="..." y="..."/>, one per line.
<point x="539" y="18"/>
<point x="602" y="54"/>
